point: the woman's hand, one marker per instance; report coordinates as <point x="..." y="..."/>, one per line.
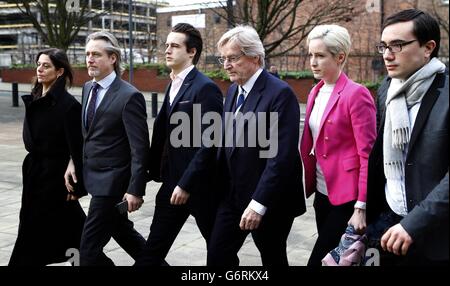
<point x="358" y="220"/>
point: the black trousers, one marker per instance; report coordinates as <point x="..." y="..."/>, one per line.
<point x="227" y="238"/>
<point x="331" y="223"/>
<point x="103" y="222"/>
<point x="167" y="222"/>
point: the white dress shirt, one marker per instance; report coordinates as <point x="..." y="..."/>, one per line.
<point x="104" y="85"/>
<point x="320" y="103"/>
<point x="177" y="81"/>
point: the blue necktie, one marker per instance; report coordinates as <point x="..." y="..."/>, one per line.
<point x="91" y="106"/>
<point x="240" y="99"/>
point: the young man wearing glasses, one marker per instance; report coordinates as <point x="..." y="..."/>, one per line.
<point x="407" y="195"/>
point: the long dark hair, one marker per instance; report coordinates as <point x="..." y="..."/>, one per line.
<point x="59" y="60"/>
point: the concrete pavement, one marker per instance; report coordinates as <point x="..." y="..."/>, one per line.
<point x="189" y="248"/>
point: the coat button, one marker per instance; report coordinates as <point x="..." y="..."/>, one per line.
<point x="409" y="164"/>
<point x="324" y="156"/>
<point x="329" y="120"/>
<point x="326" y="138"/>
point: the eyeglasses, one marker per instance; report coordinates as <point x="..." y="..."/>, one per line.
<point x="393" y="48"/>
<point x="231" y="59"/>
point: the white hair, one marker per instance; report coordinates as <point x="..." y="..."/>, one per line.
<point x="248" y="41"/>
<point x="336" y="38"/>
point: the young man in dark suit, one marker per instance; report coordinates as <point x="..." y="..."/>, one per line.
<point x="116" y="148"/>
<point x="184" y="168"/>
<point x="261" y="184"/>
<point x="407" y="195"/>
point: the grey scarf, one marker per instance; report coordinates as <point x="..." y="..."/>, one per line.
<point x="396" y="128"/>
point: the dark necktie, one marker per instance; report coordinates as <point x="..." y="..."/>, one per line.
<point x="91" y="106"/>
<point x="241" y="99"/>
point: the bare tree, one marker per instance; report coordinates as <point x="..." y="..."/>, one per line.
<point x="287" y="21"/>
<point x="441" y="16"/>
<point x="55" y="24"/>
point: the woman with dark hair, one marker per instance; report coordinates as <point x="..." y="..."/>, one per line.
<point x="51" y="218"/>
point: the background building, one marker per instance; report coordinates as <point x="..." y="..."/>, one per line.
<point x="19" y="41"/>
<point x="364" y="63"/>
<point x="152" y="20"/>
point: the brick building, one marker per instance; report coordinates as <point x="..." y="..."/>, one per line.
<point x="364" y="64"/>
<point x="210" y="25"/>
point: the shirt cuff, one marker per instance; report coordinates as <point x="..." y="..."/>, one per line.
<point x="257" y="207"/>
<point x="360" y="205"/>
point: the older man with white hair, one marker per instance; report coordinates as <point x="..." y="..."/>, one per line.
<point x="261" y="194"/>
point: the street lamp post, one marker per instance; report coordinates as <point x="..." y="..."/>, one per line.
<point x="130" y="31"/>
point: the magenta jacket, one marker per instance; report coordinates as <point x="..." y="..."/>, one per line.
<point x="347" y="133"/>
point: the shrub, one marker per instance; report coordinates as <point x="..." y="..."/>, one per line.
<point x="217" y="74"/>
<point x="296" y="74"/>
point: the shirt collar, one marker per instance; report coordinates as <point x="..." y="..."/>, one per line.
<point x="248" y="85"/>
<point x="107" y="81"/>
<point x="182" y="75"/>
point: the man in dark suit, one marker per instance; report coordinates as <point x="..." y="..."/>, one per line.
<point x="407" y="197"/>
<point x="185" y="166"/>
<point x="116" y="148"/>
<point x="262" y="183"/>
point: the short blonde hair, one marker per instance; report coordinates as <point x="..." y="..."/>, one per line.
<point x="248" y="41"/>
<point x="336" y="38"/>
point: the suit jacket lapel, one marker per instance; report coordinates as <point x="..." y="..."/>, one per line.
<point x="340" y="84"/>
<point x="310" y="103"/>
<point x="108" y="98"/>
<point x="250" y="104"/>
<point x="255" y="94"/>
<point x="184" y="86"/>
<point x="309" y="106"/>
<point x="85" y="95"/>
<point x="228" y="116"/>
<point x="427" y="104"/>
<point x="163" y="109"/>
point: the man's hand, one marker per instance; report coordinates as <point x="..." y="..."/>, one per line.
<point x="179" y="196"/>
<point x="250" y="219"/>
<point x="71" y="197"/>
<point x="69" y="177"/>
<point x="396" y="240"/>
<point x="358" y="220"/>
<point x="134" y="202"/>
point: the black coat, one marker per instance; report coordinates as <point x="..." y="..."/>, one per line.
<point x="49" y="225"/>
<point x="426" y="172"/>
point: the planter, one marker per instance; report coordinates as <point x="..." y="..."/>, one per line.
<point x="301" y="87"/>
<point x="147" y="79"/>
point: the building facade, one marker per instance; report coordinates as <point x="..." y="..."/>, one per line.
<point x="364" y="63"/>
<point x="19" y="40"/>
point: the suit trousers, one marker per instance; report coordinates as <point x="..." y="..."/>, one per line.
<point x="331" y="223"/>
<point x="103" y="222"/>
<point x="167" y="222"/>
<point x="227" y="238"/>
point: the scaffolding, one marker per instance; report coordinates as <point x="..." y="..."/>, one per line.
<point x="20" y="41"/>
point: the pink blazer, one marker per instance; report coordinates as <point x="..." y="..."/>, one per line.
<point x="346" y="135"/>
